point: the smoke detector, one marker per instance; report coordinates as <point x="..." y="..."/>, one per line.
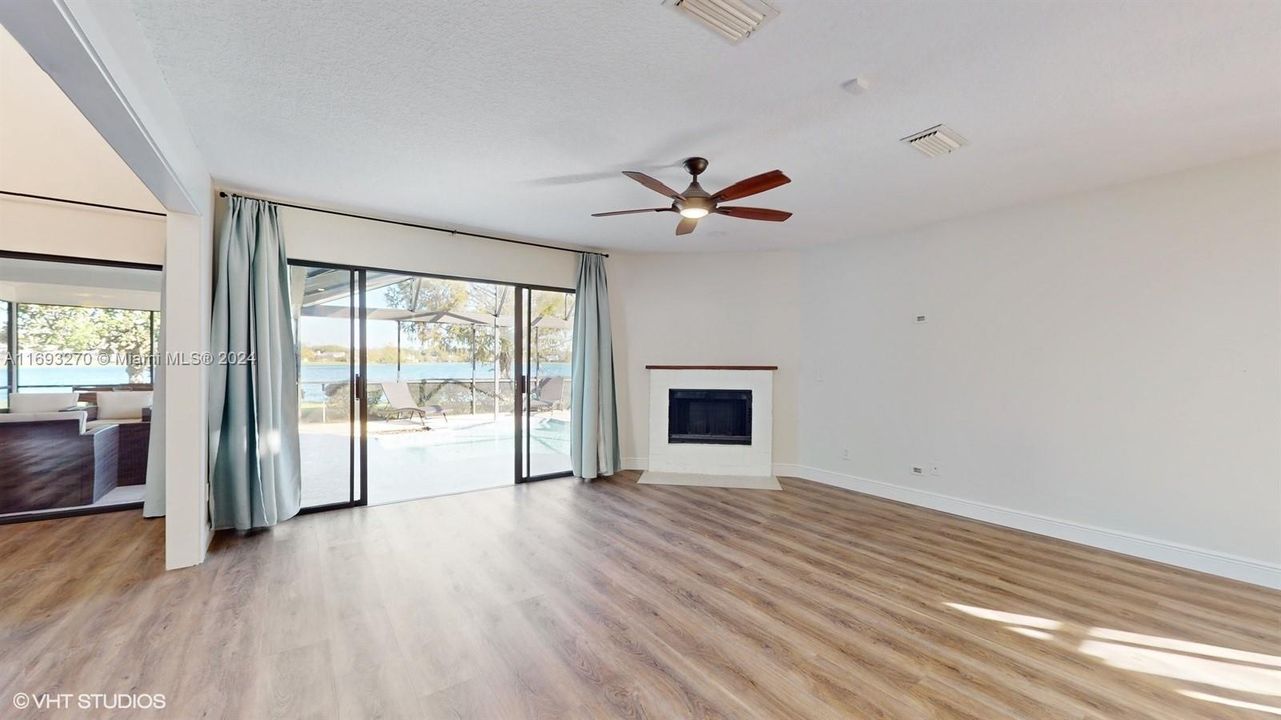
<point x="936" y="141"/>
<point x="734" y="20"/>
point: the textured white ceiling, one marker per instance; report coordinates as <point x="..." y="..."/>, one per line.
<point x="514" y="117"/>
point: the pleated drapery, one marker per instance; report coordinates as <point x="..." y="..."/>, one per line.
<point x="593" y="440"/>
<point x="255" y="475"/>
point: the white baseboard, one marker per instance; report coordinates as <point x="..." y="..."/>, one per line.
<point x="1185" y="556"/>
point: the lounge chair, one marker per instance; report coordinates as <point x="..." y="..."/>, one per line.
<point x="549" y="395"/>
<point x="402" y="401"/>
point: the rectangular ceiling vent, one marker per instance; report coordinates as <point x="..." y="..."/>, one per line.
<point x="938" y="140"/>
<point x="734" y="20"/>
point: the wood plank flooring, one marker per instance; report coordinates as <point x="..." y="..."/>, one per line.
<point x="563" y="599"/>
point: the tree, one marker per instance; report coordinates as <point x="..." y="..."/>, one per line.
<point x="70" y="329"/>
<point x="553" y="343"/>
<point x="453" y="341"/>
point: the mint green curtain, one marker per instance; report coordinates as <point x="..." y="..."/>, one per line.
<point x="593" y="439"/>
<point x="255" y="476"/>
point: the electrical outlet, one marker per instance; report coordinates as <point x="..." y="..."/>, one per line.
<point x="918" y="470"/>
<point x="845" y="454"/>
<point x="921" y="319"/>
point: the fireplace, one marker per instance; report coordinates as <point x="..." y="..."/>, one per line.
<point x="709" y="417"/>
<point x="710" y="420"/>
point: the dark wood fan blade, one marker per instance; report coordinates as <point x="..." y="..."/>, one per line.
<point x="749" y="213"/>
<point x="652" y="184"/>
<point x="752" y="185"/>
<point x="629" y="212"/>
<point x="686" y="226"/>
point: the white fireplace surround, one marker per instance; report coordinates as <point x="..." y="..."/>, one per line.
<point x="755" y="459"/>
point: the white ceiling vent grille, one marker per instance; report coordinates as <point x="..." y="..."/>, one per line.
<point x="938" y="140"/>
<point x="733" y="20"/>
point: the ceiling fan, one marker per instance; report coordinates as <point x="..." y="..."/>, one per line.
<point x="697" y="203"/>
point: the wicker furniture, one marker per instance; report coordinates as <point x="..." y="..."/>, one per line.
<point x="130" y="412"/>
<point x="89" y="393"/>
<point x="51" y="460"/>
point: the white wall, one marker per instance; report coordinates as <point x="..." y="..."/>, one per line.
<point x="34" y="226"/>
<point x="187" y="300"/>
<point x="47" y="147"/>
<point x="1111" y="360"/>
<point x="703" y="309"/>
<point x="342" y="240"/>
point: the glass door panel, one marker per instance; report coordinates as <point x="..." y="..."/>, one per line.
<point x="327" y="333"/>
<point x="548" y="349"/>
<point x="441" y="362"/>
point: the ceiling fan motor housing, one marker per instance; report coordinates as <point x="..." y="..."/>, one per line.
<point x="695" y="199"/>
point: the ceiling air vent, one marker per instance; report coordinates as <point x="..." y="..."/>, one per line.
<point x="733" y="20"/>
<point x="938" y="140"/>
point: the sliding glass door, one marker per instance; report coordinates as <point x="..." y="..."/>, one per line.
<point x="327" y="330"/>
<point x="548" y="334"/>
<point x="442" y="359"/>
<point x="414" y="386"/>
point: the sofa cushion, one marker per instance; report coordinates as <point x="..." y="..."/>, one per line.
<point x="124" y="405"/>
<point x="77" y="416"/>
<point x="41" y="402"/>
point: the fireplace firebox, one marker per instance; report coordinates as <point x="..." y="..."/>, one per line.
<point x="709" y="417"/>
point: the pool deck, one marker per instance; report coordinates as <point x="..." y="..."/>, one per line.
<point x="407" y="461"/>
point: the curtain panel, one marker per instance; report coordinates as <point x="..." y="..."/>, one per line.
<point x="255" y="475"/>
<point x="593" y="441"/>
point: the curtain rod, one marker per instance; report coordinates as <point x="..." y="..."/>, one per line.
<point x="414" y="225"/>
<point x="81" y="202"/>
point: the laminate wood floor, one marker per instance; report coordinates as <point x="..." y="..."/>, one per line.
<point x="569" y="600"/>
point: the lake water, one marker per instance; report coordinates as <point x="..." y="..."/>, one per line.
<point x="62" y="378"/>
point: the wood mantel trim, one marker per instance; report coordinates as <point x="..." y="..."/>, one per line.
<point x="711" y="367"/>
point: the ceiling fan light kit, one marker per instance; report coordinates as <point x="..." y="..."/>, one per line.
<point x="696" y="203"/>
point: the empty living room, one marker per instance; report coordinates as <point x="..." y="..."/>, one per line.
<point x="868" y="359"/>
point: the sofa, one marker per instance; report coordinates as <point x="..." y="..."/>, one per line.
<point x="130" y="412"/>
<point x="52" y="460"/>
